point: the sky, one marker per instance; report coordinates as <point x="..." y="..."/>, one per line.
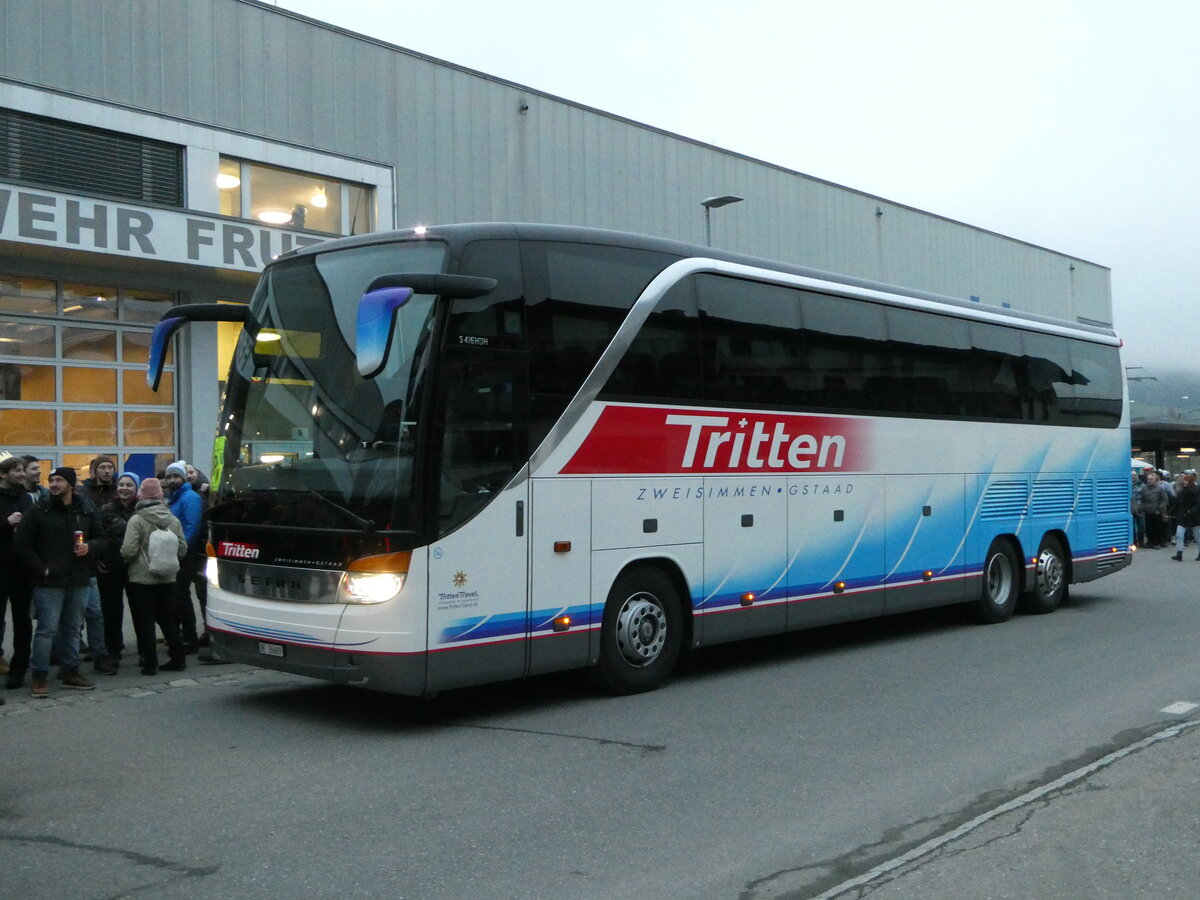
<point x="1071" y="124"/>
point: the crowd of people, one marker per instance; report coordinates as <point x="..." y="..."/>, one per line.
<point x="72" y="552"/>
<point x="1165" y="508"/>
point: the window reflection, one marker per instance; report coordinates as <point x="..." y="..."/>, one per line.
<point x="89" y="343"/>
<point x="22" y="339"/>
<point x="31" y="296"/>
<point x="89" y="301"/>
<point x="145" y="306"/>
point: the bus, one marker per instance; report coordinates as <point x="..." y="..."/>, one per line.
<point x="456" y="455"/>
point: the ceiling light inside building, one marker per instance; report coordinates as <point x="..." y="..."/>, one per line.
<point x="275" y="217"/>
<point x="318" y="199"/>
<point x="227" y="182"/>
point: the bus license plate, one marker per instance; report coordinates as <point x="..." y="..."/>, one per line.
<point x="270" y="649"/>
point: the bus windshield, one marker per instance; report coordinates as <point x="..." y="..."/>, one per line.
<point x="304" y="440"/>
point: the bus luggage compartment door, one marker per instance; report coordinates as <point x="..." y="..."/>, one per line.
<point x="560" y="546"/>
<point x="745" y="557"/>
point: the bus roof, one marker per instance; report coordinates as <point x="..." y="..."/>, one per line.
<point x="458" y="235"/>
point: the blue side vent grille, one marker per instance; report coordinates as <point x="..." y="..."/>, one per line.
<point x="1052" y="498"/>
<point x="1085" y="502"/>
<point x="1004" y="500"/>
<point x="1112" y="496"/>
<point x="1112" y="534"/>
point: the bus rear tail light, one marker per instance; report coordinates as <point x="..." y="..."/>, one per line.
<point x="374" y="579"/>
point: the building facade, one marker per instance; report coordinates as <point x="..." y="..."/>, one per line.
<point x="203" y="137"/>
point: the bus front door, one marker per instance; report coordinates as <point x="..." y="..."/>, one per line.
<point x="478" y="567"/>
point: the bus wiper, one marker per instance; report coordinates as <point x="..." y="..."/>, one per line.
<point x="364" y="524"/>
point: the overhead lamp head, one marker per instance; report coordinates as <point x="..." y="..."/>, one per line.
<point x="718" y="202"/>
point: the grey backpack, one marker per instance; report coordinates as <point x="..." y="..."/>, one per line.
<point x="162" y="553"/>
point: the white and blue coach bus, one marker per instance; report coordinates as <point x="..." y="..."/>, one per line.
<point x="461" y="454"/>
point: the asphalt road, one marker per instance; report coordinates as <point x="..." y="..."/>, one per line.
<point x="918" y="756"/>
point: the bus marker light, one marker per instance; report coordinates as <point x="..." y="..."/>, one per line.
<point x="747" y="599"/>
<point x="927" y="575"/>
<point x="839" y="587"/>
<point x="562" y="623"/>
<point x="562" y="546"/>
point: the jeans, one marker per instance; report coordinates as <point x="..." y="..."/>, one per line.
<point x="59" y="613"/>
<point x="93" y="615"/>
<point x="1181" y="534"/>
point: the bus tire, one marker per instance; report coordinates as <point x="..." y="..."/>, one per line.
<point x="1049" y="587"/>
<point x="642" y="632"/>
<point x="1001" y="584"/>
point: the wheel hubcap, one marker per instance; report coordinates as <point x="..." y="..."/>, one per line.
<point x="999" y="579"/>
<point x="1049" y="573"/>
<point x="641" y="630"/>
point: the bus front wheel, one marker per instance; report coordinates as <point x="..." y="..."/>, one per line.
<point x="642" y="632"/>
<point x="1001" y="583"/>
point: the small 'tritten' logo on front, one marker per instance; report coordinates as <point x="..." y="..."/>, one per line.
<point x="460" y="578"/>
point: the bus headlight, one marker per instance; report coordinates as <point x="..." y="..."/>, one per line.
<point x="374" y="579"/>
<point x="210" y="571"/>
<point x="369" y="587"/>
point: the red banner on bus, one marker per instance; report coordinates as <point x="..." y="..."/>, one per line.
<point x="640" y="440"/>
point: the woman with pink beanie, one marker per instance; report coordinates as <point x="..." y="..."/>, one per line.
<point x="150" y="595"/>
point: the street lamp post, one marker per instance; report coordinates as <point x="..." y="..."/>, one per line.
<point x="715" y="203"/>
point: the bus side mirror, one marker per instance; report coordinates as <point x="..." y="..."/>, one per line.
<point x="174" y="319"/>
<point x="374" y="326"/>
<point x="386" y="294"/>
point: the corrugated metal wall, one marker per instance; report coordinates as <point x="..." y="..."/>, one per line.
<point x="463" y="150"/>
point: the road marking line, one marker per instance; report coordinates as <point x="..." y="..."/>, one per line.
<point x="1180" y="708"/>
<point x="1025" y="799"/>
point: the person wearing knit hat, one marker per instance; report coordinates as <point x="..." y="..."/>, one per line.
<point x="55" y="541"/>
<point x="150" y="489"/>
<point x="67" y="474"/>
<point x="188" y="508"/>
<point x="151" y="595"/>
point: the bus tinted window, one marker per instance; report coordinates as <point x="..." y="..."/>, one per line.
<point x="751" y="338"/>
<point x="1096" y="373"/>
<point x="496" y="319"/>
<point x="577" y="296"/>
<point x="663" y="361"/>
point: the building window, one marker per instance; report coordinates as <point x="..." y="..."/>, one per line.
<point x="80" y="159"/>
<point x="291" y="199"/>
<point x="72" y="374"/>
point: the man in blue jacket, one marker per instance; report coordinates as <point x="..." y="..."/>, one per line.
<point x="188" y="508"/>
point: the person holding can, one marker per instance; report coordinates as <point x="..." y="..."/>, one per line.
<point x="54" y="543"/>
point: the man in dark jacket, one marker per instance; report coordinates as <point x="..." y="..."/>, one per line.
<point x="1187" y="512"/>
<point x="14" y="589"/>
<point x="99" y="490"/>
<point x="54" y="542"/>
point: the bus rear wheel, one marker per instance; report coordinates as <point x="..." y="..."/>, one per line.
<point x="1049" y="587"/>
<point x="1001" y="581"/>
<point x="642" y="632"/>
